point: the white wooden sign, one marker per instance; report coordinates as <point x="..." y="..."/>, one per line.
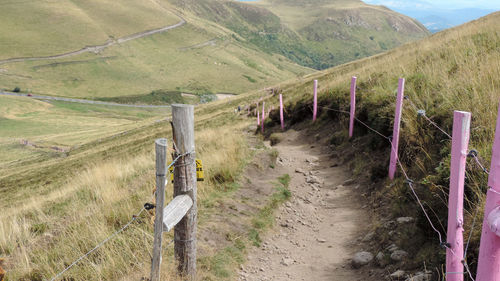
<point x="175" y="211"/>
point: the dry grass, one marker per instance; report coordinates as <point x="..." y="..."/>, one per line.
<point x="46" y="233"/>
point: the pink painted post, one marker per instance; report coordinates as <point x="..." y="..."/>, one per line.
<point x="257" y="112"/>
<point x="488" y="268"/>
<point x="459" y="147"/>
<point x="395" y="132"/>
<point x="263" y="117"/>
<point x="353" y="105"/>
<point x="281" y="113"/>
<point x="315" y="102"/>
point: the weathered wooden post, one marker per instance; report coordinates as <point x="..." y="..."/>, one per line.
<point x="185" y="184"/>
<point x="281" y="113"/>
<point x="488" y="268"/>
<point x="353" y="106"/>
<point x="315" y="100"/>
<point x="161" y="171"/>
<point x="395" y="132"/>
<point x="459" y="146"/>
<point x="263" y="117"/>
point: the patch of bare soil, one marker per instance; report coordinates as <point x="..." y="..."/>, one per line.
<point x="317" y="231"/>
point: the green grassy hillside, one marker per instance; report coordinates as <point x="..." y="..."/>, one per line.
<point x="225" y="46"/>
<point x="317" y="34"/>
<point x="200" y="57"/>
<point x="44" y="28"/>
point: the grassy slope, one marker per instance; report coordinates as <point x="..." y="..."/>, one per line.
<point x="317" y="34"/>
<point x="108" y="179"/>
<point x="59" y="125"/>
<point x="170" y="60"/>
<point x="452" y="70"/>
<point x="42" y="28"/>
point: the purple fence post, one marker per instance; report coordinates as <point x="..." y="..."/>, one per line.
<point x="353" y="105"/>
<point x="281" y="113"/>
<point x="395" y="132"/>
<point x="488" y="268"/>
<point x="315" y="101"/>
<point x="459" y="147"/>
<point x="263" y="117"/>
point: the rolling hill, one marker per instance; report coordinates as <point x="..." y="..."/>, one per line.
<point x="316" y="34"/>
<point x="96" y="49"/>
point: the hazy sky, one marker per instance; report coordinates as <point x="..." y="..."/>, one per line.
<point x="451" y="4"/>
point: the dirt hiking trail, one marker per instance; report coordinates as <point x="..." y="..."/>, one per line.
<point x="315" y="232"/>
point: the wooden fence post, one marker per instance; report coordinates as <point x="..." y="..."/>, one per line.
<point x="459" y="147"/>
<point x="395" y="132"/>
<point x="263" y="117"/>
<point x="488" y="268"/>
<point x="281" y="113"/>
<point x="315" y="101"/>
<point x="185" y="184"/>
<point x="161" y="171"/>
<point x="353" y="106"/>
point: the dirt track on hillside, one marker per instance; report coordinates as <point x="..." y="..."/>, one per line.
<point x="316" y="232"/>
<point x="98" y="48"/>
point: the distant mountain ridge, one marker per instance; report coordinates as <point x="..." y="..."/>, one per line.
<point x="316" y="34"/>
<point x="434" y="17"/>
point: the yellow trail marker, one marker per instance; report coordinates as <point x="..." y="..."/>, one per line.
<point x="200" y="176"/>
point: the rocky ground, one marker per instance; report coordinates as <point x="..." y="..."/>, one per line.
<point x="323" y="232"/>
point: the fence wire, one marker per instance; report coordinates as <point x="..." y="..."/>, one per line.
<point x="134" y="218"/>
<point x="410" y="183"/>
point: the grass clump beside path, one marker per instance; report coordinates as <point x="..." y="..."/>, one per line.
<point x="265" y="217"/>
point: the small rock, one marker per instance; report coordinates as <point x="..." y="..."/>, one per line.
<point x="287" y="261"/>
<point x="392" y="248"/>
<point x="313" y="179"/>
<point x="390" y="224"/>
<point x="348" y="182"/>
<point x="398" y="274"/>
<point x="420" y="276"/>
<point x="300" y="171"/>
<point x="261" y="269"/>
<point x="361" y="258"/>
<point x="403" y="220"/>
<point x="398" y="255"/>
<point x="380" y="258"/>
<point x="368" y="236"/>
<point x="320" y="240"/>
